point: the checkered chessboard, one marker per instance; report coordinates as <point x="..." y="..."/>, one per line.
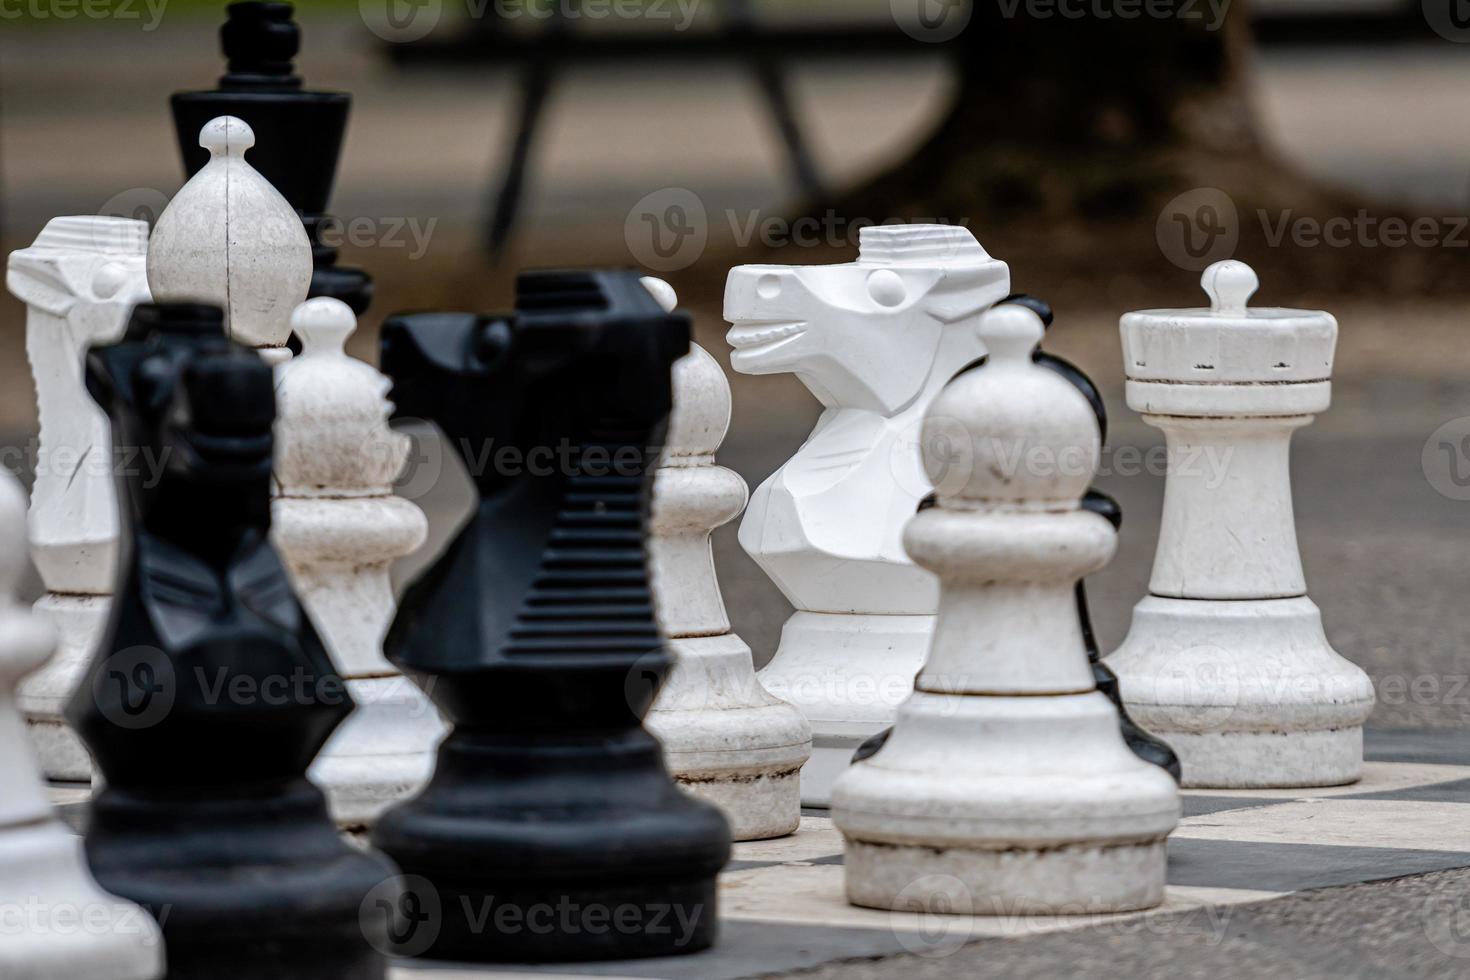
<point x="782" y="906"/>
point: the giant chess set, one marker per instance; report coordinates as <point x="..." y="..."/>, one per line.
<point x="552" y="747"/>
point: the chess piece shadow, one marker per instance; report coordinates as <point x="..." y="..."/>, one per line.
<point x="535" y="635"/>
<point x="211" y="692"/>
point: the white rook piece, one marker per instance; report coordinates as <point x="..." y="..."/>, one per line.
<point x="1226" y="659"/>
<point x="77" y="931"/>
<point x="229" y="238"/>
<point x="726" y="739"/>
<point x="874" y="340"/>
<point x="1006" y="785"/>
<point x="339" y="527"/>
<point x="79" y="280"/>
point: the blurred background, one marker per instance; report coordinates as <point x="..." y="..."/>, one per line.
<point x="1106" y="149"/>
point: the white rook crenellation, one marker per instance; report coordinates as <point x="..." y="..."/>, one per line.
<point x="229" y="238"/>
<point x="339" y="527"/>
<point x="79" y="280"/>
<point x="76" y="930"/>
<point x="874" y="340"/>
<point x="1226" y="659"/>
<point x="1006" y="786"/>
<point x="726" y="739"/>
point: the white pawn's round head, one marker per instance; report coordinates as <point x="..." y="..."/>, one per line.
<point x="1011" y="433"/>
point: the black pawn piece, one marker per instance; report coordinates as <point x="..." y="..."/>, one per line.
<point x="298" y="134"/>
<point x="551" y="830"/>
<point x="210" y="693"/>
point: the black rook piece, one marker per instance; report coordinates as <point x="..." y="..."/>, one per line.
<point x="210" y="693"/>
<point x="298" y="134"/>
<point x="1144" y="745"/>
<point x="551" y="830"/>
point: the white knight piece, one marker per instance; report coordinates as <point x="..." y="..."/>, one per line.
<point x="1006" y="786"/>
<point x="874" y="340"/>
<point x="726" y="739"/>
<point x="79" y="280"/>
<point x="1226" y="659"/>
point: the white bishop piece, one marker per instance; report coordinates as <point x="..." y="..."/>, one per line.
<point x="79" y="280"/>
<point x="59" y="924"/>
<point x="1226" y="659"/>
<point x="229" y="238"/>
<point x="338" y="527"/>
<point x="726" y="739"/>
<point x="874" y="340"/>
<point x="1006" y="786"/>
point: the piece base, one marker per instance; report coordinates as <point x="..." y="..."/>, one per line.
<point x="1055" y="881"/>
<point x="1269" y="760"/>
<point x="758" y="807"/>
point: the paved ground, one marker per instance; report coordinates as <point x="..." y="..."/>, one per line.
<point x="1412" y="927"/>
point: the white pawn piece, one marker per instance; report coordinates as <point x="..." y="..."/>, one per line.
<point x="1006" y="786"/>
<point x="338" y="527"/>
<point x="59" y="924"/>
<point x="229" y="238"/>
<point x="1226" y="659"/>
<point x="725" y="738"/>
<point x="874" y="340"/>
<point x="79" y="280"/>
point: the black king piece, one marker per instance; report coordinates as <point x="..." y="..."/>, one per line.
<point x="210" y="692"/>
<point x="299" y="133"/>
<point x="551" y="829"/>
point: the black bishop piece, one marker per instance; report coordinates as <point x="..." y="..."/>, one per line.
<point x="298" y="132"/>
<point x="551" y="829"/>
<point x="210" y="692"/>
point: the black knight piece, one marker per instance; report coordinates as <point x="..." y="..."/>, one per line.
<point x="298" y="132"/>
<point x="210" y="693"/>
<point x="1144" y="745"/>
<point x="551" y="829"/>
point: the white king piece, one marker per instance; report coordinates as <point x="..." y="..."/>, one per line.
<point x="339" y="527"/>
<point x="726" y="739"/>
<point x="75" y="930"/>
<point x="229" y="238"/>
<point x="1226" y="659"/>
<point x="874" y="340"/>
<point x="1006" y="786"/>
<point x="79" y="280"/>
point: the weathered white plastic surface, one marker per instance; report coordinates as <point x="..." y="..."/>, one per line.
<point x="1006" y="785"/>
<point x="338" y="527"/>
<point x="1226" y="659"/>
<point x="725" y="738"/>
<point x="874" y="340"/>
<point x="60" y="924"/>
<point x="229" y="238"/>
<point x="79" y="280"/>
